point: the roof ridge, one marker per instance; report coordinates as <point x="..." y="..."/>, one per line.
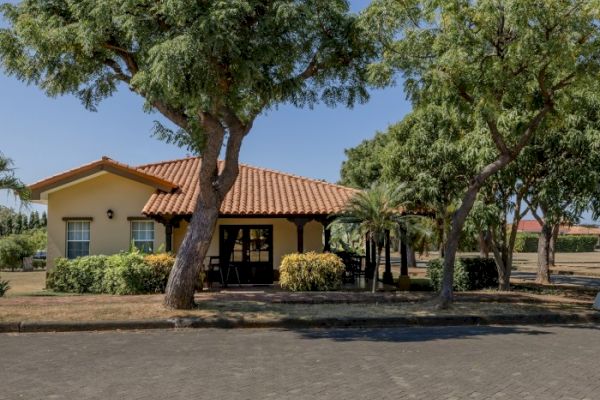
<point x="322" y="182"/>
<point x="166" y="162"/>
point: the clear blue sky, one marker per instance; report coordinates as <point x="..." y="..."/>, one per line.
<point x="45" y="135"/>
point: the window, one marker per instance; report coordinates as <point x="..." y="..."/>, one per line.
<point x="78" y="239"/>
<point x="142" y="235"/>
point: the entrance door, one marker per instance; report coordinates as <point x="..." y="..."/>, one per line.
<point x="250" y="248"/>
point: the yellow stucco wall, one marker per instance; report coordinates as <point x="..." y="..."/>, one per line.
<point x="284" y="236"/>
<point x="92" y="198"/>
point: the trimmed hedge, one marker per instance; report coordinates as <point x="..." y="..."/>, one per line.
<point x="528" y="243"/>
<point x="311" y="272"/>
<point x="124" y="273"/>
<point x="469" y="274"/>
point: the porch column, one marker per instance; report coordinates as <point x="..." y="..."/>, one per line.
<point x="300" y="222"/>
<point x="326" y="234"/>
<point x="168" y="236"/>
<point x="387" y="275"/>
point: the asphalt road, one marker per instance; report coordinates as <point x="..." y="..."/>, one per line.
<point x="561" y="279"/>
<point x="404" y="363"/>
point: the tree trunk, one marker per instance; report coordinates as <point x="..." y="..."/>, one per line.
<point x="484" y="251"/>
<point x="376" y="269"/>
<point x="552" y="251"/>
<point x="458" y="222"/>
<point x="214" y="186"/>
<point x="411" y="257"/>
<point x="543" y="272"/>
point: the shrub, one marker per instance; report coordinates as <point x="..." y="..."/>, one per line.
<point x="528" y="243"/>
<point x="81" y="275"/>
<point x="4" y="286"/>
<point x="123" y="273"/>
<point x="482" y="273"/>
<point x="13" y="249"/>
<point x="435" y="273"/>
<point x="469" y="273"/>
<point x="576" y="243"/>
<point x="311" y="272"/>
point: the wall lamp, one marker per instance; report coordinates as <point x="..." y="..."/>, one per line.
<point x="110" y="213"/>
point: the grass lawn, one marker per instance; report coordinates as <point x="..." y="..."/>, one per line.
<point x="25" y="283"/>
<point x="102" y="308"/>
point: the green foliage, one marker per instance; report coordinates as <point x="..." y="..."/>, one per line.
<point x="311" y="272"/>
<point x="482" y="273"/>
<point x="435" y="273"/>
<point x="8" y="179"/>
<point x="14" y="248"/>
<point x="81" y="275"/>
<point x="4" y="287"/>
<point x="187" y="59"/>
<point x="122" y="274"/>
<point x="576" y="243"/>
<point x="469" y="273"/>
<point x="363" y="165"/>
<point x="528" y="243"/>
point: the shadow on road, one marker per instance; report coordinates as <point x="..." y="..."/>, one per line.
<point x="417" y="334"/>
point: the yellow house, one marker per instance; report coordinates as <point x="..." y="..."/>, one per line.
<point x="105" y="207"/>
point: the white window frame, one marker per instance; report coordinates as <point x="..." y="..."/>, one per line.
<point x="135" y="241"/>
<point x="88" y="240"/>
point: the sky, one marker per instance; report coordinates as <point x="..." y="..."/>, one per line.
<point x="44" y="136"/>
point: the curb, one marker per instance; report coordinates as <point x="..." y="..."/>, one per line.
<point x="291" y="323"/>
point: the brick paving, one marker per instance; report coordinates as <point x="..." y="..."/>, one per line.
<point x="405" y="363"/>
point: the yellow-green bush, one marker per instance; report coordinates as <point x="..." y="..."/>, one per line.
<point x="311" y="272"/>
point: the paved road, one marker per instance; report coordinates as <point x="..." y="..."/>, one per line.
<point x="405" y="363"/>
<point x="561" y="279"/>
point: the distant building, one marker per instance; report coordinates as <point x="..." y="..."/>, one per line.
<point x="533" y="226"/>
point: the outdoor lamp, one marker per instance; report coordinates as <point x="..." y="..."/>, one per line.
<point x="109" y="213"/>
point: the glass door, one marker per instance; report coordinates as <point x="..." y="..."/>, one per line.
<point x="250" y="249"/>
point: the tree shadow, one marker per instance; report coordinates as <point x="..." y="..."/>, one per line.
<point x="417" y="333"/>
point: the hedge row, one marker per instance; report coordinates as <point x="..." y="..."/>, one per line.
<point x="528" y="243"/>
<point x="124" y="273"/>
<point x="469" y="273"/>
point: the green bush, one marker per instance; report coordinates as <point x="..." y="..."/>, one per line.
<point x="528" y="243"/>
<point x="469" y="273"/>
<point x="482" y="273"/>
<point x="14" y="248"/>
<point x="311" y="272"/>
<point x="576" y="243"/>
<point x="81" y="275"/>
<point x="4" y="286"/>
<point x="435" y="273"/>
<point x="124" y="273"/>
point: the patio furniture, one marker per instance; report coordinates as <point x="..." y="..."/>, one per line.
<point x="214" y="268"/>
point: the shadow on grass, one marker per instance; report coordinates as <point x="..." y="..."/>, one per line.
<point x="416" y="334"/>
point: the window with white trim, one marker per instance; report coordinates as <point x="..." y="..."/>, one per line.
<point x="142" y="235"/>
<point x="78" y="239"/>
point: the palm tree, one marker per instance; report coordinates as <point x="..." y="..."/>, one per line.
<point x="8" y="180"/>
<point x="374" y="211"/>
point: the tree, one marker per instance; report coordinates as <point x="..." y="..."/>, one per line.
<point x="13" y="249"/>
<point x="375" y="211"/>
<point x="209" y="67"/>
<point x="8" y="180"/>
<point x="44" y="220"/>
<point x="363" y="165"/>
<point x="564" y="169"/>
<point x="509" y="67"/>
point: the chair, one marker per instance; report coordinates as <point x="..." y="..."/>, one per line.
<point x="214" y="266"/>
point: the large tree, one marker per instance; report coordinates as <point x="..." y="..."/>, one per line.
<point x="510" y="66"/>
<point x="209" y="67"/>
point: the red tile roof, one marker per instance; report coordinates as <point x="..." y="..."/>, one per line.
<point x="533" y="226"/>
<point x="257" y="191"/>
<point x="104" y="164"/>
